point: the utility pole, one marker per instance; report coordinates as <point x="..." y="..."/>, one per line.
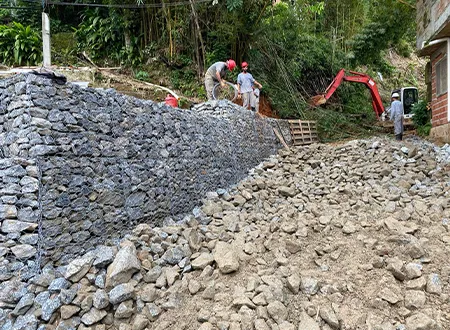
<point x="46" y="40"/>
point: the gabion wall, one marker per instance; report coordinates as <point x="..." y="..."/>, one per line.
<point x="82" y="166"/>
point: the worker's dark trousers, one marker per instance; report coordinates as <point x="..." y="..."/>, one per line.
<point x="399" y="137"/>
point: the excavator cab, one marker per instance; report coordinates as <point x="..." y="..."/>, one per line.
<point x="408" y="96"/>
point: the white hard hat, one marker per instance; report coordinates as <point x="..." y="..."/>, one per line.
<point x="395" y="95"/>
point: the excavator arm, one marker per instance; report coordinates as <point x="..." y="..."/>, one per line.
<point x="357" y="77"/>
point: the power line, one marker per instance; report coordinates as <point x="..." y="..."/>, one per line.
<point x="150" y="5"/>
<point x="12" y="7"/>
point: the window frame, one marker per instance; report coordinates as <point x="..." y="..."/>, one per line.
<point x="439" y="86"/>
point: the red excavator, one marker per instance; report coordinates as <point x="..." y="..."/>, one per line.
<point x="408" y="95"/>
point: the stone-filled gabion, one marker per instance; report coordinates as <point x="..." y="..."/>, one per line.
<point x="108" y="162"/>
<point x="19" y="215"/>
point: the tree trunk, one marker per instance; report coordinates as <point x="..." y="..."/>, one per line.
<point x="127" y="37"/>
<point x="201" y="54"/>
<point x="169" y="30"/>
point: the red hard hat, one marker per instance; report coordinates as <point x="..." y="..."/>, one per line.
<point x="231" y="64"/>
<point x="244" y="64"/>
<point x="171" y="101"/>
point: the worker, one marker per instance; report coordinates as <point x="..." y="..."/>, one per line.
<point x="245" y="82"/>
<point x="396" y="116"/>
<point x="216" y="74"/>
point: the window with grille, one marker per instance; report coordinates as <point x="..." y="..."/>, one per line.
<point x="441" y="76"/>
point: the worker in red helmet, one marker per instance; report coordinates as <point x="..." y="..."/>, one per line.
<point x="216" y="74"/>
<point x="245" y="83"/>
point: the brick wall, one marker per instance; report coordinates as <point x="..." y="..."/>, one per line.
<point x="439" y="104"/>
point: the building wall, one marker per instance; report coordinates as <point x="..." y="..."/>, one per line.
<point x="439" y="104"/>
<point x="431" y="17"/>
<point x="80" y="167"/>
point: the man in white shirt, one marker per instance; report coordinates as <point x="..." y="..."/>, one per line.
<point x="245" y="82"/>
<point x="397" y="116"/>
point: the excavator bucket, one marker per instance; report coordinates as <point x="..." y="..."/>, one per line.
<point x="317" y="100"/>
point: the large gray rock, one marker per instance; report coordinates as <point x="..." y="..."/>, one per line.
<point x="203" y="260"/>
<point x="226" y="257"/>
<point x="287" y="191"/>
<point x="414" y="299"/>
<point x="434" y="284"/>
<point x="309" y="285"/>
<point x="328" y="315"/>
<point x="58" y="284"/>
<point x="41" y="298"/>
<point x="16" y="171"/>
<point x="140" y="322"/>
<point x="173" y="255"/>
<point x="23" y="251"/>
<point x="26" y="322"/>
<point x="15" y="226"/>
<point x="121" y="293"/>
<point x="104" y="256"/>
<point x="50" y="306"/>
<point x="277" y="311"/>
<point x="12" y="291"/>
<point x="8" y="211"/>
<point x="24" y="304"/>
<point x="67" y="311"/>
<point x="93" y="316"/>
<point x="79" y="267"/>
<point x="125" y="264"/>
<point x="124" y="310"/>
<point x="67" y="296"/>
<point x="101" y="299"/>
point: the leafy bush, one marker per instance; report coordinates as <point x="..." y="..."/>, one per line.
<point x="404" y="48"/>
<point x="424" y="130"/>
<point x="102" y="36"/>
<point x="20" y="45"/>
<point x="421" y="118"/>
<point x="142" y="75"/>
<point x="99" y="35"/>
<point x="421" y="113"/>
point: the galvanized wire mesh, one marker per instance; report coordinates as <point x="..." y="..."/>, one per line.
<point x="108" y="162"/>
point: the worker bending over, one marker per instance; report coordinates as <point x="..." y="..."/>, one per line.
<point x="216" y="74"/>
<point x="397" y="116"/>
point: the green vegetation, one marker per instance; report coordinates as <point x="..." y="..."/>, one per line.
<point x="19" y="45"/>
<point x="421" y="118"/>
<point x="64" y="48"/>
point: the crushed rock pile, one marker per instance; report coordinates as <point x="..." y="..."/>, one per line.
<point x="354" y="236"/>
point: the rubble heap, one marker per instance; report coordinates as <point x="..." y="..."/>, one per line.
<point x="323" y="237"/>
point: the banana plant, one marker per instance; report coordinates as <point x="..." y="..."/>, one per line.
<point x="20" y="45"/>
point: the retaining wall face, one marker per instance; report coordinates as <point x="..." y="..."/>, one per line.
<point x="110" y="161"/>
<point x="19" y="187"/>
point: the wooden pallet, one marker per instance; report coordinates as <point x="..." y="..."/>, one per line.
<point x="303" y="132"/>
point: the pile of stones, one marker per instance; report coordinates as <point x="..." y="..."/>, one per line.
<point x="107" y="162"/>
<point x="353" y="236"/>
